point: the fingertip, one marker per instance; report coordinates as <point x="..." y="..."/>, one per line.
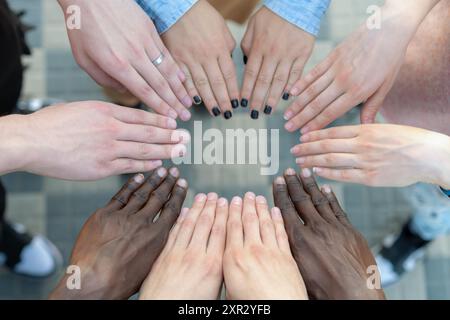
<point x="261" y="200"/>
<point x="306" y="173"/>
<point x="250" y="196"/>
<point x="280" y="181"/>
<point x="290" y="172"/>
<point x="236" y="201"/>
<point x="276" y="213"/>
<point x="139" y="178"/>
<point x="201" y="197"/>
<point x="182" y="183"/>
<point x="326" y="189"/>
<point x="222" y="202"/>
<point x="212" y="196"/>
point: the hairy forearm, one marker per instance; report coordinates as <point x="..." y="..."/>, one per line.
<point x="13" y="143"/>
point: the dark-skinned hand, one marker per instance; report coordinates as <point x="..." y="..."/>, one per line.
<point x="334" y="258"/>
<point x="119" y="243"/>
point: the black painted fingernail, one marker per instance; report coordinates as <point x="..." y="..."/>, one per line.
<point x="216" y="111"/>
<point x="235" y="103"/>
<point x="245" y="59"/>
<point x="244" y="103"/>
<point x="286" y="96"/>
<point x="254" y="114"/>
<point x="227" y="115"/>
<point x="268" y="110"/>
<point x="197" y="100"/>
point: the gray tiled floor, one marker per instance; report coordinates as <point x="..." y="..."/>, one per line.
<point x="59" y="208"/>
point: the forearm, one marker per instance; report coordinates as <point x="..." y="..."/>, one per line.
<point x="13" y="149"/>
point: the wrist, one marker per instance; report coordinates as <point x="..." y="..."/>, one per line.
<point x="437" y="154"/>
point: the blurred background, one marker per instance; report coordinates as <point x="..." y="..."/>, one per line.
<point x="58" y="209"/>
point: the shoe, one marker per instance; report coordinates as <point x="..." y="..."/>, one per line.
<point x="26" y="255"/>
<point x="399" y="255"/>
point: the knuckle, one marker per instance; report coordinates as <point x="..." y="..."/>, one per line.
<point x="144" y="151"/>
<point x="264" y="79"/>
<point x="201" y="82"/>
<point x="251" y="73"/>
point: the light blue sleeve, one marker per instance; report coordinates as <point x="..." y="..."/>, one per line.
<point x="305" y="14"/>
<point x="165" y="13"/>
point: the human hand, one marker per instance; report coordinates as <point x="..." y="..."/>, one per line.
<point x="362" y="69"/>
<point x="277" y="51"/>
<point x="190" y="266"/>
<point x="377" y="155"/>
<point x="116" y="45"/>
<point x="202" y="45"/>
<point x="92" y="140"/>
<point x="258" y="263"/>
<point x="334" y="259"/>
<point x="119" y="243"/>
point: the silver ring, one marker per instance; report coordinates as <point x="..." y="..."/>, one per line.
<point x="158" y="60"/>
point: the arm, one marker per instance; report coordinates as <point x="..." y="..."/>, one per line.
<point x="13" y="142"/>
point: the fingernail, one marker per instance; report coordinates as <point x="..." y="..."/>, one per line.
<point x="236" y="200"/>
<point x="235" y="103"/>
<point x="294" y="150"/>
<point x="276" y="212"/>
<point x="200" y="197"/>
<point x="295" y="91"/>
<point x="304" y="130"/>
<point x="197" y="100"/>
<point x="280" y="180"/>
<point x="304" y="138"/>
<point x="216" y="111"/>
<point x="212" y="196"/>
<point x="139" y="178"/>
<point x="261" y="200"/>
<point x="326" y="188"/>
<point x="227" y="115"/>
<point x="161" y="172"/>
<point x="171" y="124"/>
<point x="245" y="59"/>
<point x="244" y="103"/>
<point x="172" y="114"/>
<point x="185" y="115"/>
<point x="187" y="101"/>
<point x="250" y="195"/>
<point x="222" y="202"/>
<point x="254" y="114"/>
<point x="182" y="183"/>
<point x="174" y="172"/>
<point x="300" y="160"/>
<point x="288" y="115"/>
<point x="317" y="170"/>
<point x="184" y="212"/>
<point x="268" y="110"/>
<point x="290" y="172"/>
<point x="286" y="96"/>
<point x="306" y="173"/>
<point x="289" y="126"/>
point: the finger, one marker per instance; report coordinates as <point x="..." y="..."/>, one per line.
<point x="135" y="116"/>
<point x="300" y="198"/>
<point x="160" y="85"/>
<point x="99" y="76"/>
<point x="124" y="166"/>
<point x="189" y="222"/>
<point x="176" y="228"/>
<point x="121" y="198"/>
<point x="262" y="85"/>
<point x="283" y="201"/>
<point x="204" y="223"/>
<point x="250" y="220"/>
<point x="150" y="134"/>
<point x="277" y="88"/>
<point x="324" y="147"/>
<point x="172" y="208"/>
<point x="295" y="74"/>
<point x="159" y="197"/>
<point x="218" y="233"/>
<point x="315" y="73"/>
<point x="266" y="225"/>
<point x="295" y="113"/>
<point x="329" y="160"/>
<point x="317" y="197"/>
<point x="251" y="72"/>
<point x="189" y="85"/>
<point x="141" y="89"/>
<point x="202" y="84"/>
<point x="140" y="197"/>
<point x="335" y="110"/>
<point x="340" y="214"/>
<point x="343" y="175"/>
<point x="235" y="231"/>
<point x="219" y="88"/>
<point x="229" y="73"/>
<point x="144" y="151"/>
<point x="280" y="231"/>
<point x="344" y="132"/>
